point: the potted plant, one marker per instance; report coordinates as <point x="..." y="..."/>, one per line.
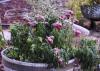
<point x="87" y="54"/>
<point x="45" y="43"/>
<point x="38" y="45"/>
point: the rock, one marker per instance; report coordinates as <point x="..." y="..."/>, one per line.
<point x="83" y="30"/>
<point x="7" y="35"/>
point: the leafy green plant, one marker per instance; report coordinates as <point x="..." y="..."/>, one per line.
<point x="87" y="54"/>
<point x="2" y="41"/>
<point x="49" y="40"/>
<point x="21" y="41"/>
<point x="46" y="42"/>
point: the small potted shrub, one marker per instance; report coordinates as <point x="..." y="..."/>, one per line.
<point x="38" y="46"/>
<point x="87" y="54"/>
<point x="41" y="43"/>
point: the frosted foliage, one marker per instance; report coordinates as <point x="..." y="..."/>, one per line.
<point x="46" y="7"/>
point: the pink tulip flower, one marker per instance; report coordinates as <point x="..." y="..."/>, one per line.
<point x="77" y="33"/>
<point x="57" y="25"/>
<point x="63" y="17"/>
<point x="57" y="51"/>
<point x="50" y="39"/>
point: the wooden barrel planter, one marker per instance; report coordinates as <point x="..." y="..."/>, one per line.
<point x="15" y="65"/>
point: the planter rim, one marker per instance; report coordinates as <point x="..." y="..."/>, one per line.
<point x="3" y="1"/>
<point x="4" y="57"/>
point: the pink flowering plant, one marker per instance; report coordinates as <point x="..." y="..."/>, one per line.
<point x="50" y="40"/>
<point x="45" y="41"/>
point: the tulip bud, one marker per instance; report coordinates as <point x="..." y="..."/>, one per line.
<point x="57" y="25"/>
<point x="50" y="39"/>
